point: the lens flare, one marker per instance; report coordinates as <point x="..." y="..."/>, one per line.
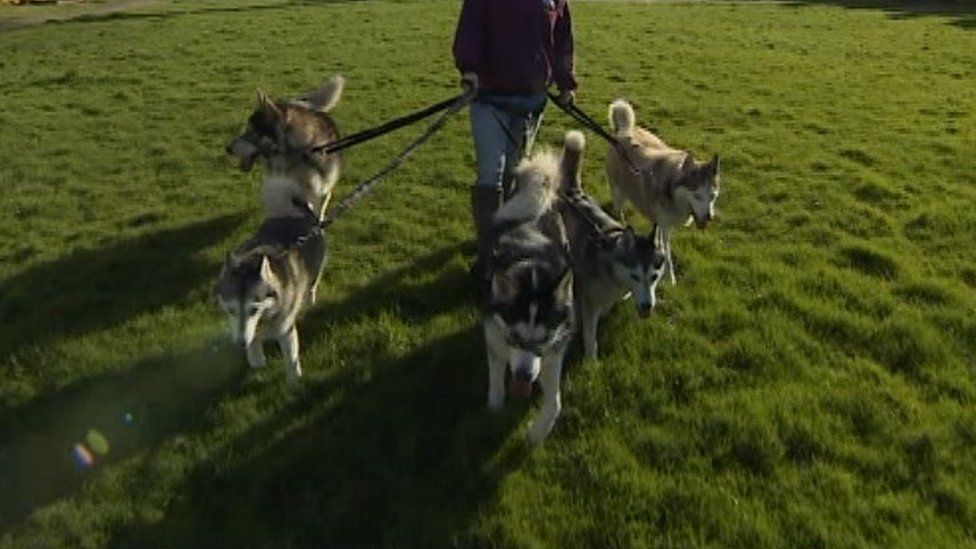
<point x="97" y="442"/>
<point x="82" y="457"/>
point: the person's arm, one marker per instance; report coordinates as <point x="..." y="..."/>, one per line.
<point x="469" y="37"/>
<point x="563" y="57"/>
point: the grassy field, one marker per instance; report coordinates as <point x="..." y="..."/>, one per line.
<point x="808" y="383"/>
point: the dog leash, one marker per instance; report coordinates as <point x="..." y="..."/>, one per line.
<point x="383" y="129"/>
<point x="587" y="122"/>
<point x="357" y="194"/>
<point x="568" y="200"/>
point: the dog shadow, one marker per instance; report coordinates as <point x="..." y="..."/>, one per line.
<point x="397" y="451"/>
<point x="93" y="289"/>
<point x="426" y="287"/>
<point x="406" y="458"/>
<point x="132" y="408"/>
<point x="121" y="14"/>
<point x="959" y="14"/>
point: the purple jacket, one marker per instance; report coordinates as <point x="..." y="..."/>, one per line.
<point x="516" y="46"/>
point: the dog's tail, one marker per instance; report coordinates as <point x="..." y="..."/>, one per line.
<point x="622" y="118"/>
<point x="572" y="161"/>
<point x="537" y="181"/>
<point x="326" y="97"/>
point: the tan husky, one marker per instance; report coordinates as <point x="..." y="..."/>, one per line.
<point x="670" y="185"/>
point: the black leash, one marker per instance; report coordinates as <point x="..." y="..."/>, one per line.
<point x="454" y="105"/>
<point x="569" y="200"/>
<point x="395" y="124"/>
<point x="587" y="122"/>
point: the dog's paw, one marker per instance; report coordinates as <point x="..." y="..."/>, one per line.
<point x="293" y="374"/>
<point x="255" y="357"/>
<point x="538" y="433"/>
<point x="591" y="351"/>
<point x="495" y="404"/>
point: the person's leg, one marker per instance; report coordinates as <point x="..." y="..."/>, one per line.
<point x="490" y="143"/>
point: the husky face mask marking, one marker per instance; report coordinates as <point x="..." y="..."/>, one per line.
<point x="282" y="133"/>
<point x="700" y="188"/>
<point x="246" y="292"/>
<point x="638" y="265"/>
<point x="533" y="312"/>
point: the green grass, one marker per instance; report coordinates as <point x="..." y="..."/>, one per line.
<point x="809" y="381"/>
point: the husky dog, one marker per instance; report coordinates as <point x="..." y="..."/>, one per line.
<point x="528" y="304"/>
<point x="268" y="281"/>
<point x="283" y="133"/>
<point x="609" y="259"/>
<point x="671" y="185"/>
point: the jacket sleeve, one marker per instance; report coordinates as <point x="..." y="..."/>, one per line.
<point x="469" y="37"/>
<point x="563" y="70"/>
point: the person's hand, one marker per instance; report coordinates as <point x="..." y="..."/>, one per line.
<point x="566" y="97"/>
<point x="469" y="82"/>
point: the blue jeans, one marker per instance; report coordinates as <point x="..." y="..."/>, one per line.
<point x="503" y="127"/>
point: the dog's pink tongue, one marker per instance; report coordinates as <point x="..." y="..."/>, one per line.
<point x="521" y="388"/>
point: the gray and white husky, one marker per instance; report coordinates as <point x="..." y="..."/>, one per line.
<point x="609" y="259"/>
<point x="267" y="282"/>
<point x="671" y="185"/>
<point x="527" y="312"/>
<point x="283" y="132"/>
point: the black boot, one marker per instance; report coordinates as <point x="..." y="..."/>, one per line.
<point x="485" y="201"/>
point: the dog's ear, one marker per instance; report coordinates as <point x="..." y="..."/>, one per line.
<point x="267" y="275"/>
<point x="713" y="165"/>
<point x="267" y="104"/>
<point x="231" y="261"/>
<point x="626" y="241"/>
<point x="227" y="266"/>
<point x="565" y="285"/>
<point x="503" y="288"/>
<point x="688" y="164"/>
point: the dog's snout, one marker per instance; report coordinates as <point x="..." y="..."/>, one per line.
<point x="644" y="309"/>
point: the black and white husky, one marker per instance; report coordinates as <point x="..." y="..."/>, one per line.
<point x="268" y="281"/>
<point x="609" y="259"/>
<point x="528" y="307"/>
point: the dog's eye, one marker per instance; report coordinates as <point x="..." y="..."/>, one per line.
<point x="253" y="310"/>
<point x="634" y="277"/>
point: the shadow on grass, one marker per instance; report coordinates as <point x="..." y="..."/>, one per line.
<point x="961" y="13"/>
<point x="122" y="14"/>
<point x="396" y="451"/>
<point x="93" y="289"/>
<point x="134" y="408"/>
<point x="406" y="458"/>
<point x="412" y="291"/>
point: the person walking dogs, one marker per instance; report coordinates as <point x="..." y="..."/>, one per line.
<point x="508" y="53"/>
